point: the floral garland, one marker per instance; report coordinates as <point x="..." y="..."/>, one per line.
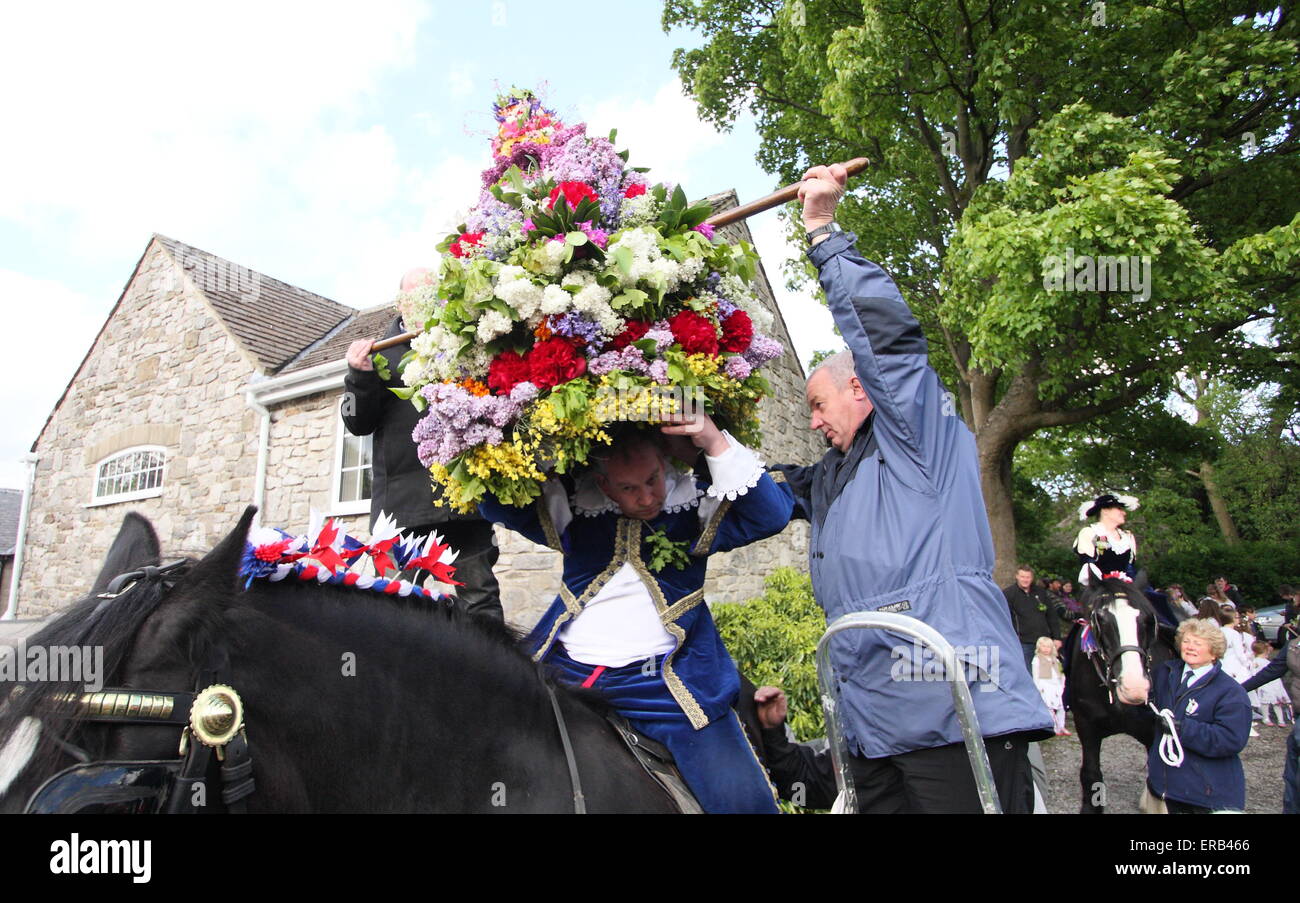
<point x="573" y="295"/>
<point x="329" y="555"/>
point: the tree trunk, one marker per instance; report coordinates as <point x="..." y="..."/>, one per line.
<point x="995" y="481"/>
<point x="1218" y="505"/>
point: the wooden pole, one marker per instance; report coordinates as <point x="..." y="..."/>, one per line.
<point x="725" y="218"/>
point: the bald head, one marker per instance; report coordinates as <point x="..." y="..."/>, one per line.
<point x="836" y="400"/>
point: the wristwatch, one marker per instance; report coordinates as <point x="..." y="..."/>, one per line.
<point x="823" y="230"/>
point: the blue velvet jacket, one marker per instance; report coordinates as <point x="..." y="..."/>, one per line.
<point x="698" y="672"/>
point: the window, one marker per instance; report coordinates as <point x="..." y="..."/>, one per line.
<point x="354" y="472"/>
<point x="136" y="473"/>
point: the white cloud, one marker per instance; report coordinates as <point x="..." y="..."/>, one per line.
<point x="809" y="321"/>
<point x="663" y="133"/>
<point x="41" y="317"/>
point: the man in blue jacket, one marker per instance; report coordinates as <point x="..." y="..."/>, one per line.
<point x="899" y="525"/>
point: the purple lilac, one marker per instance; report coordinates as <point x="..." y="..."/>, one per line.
<point x="738" y="368"/>
<point x="576" y="326"/>
<point x="762" y="349"/>
<point x="659" y="371"/>
<point x="662" y="335"/>
<point x="458" y="420"/>
<point x="725" y="308"/>
<point x="575" y="157"/>
<point x="629" y="359"/>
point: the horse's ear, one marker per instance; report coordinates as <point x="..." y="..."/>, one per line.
<point x="219" y="569"/>
<point x="1141" y="582"/>
<point x="135" y="546"/>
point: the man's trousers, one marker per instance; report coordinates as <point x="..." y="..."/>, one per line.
<point x="716" y="761"/>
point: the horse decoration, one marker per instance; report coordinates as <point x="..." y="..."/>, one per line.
<point x="232" y="691"/>
<point x="1111" y="653"/>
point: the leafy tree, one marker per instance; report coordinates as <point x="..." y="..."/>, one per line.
<point x="1005" y="136"/>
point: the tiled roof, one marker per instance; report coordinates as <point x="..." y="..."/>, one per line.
<point x="372" y="323"/>
<point x="273" y="320"/>
<point x="11" y="503"/>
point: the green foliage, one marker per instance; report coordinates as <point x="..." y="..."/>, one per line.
<point x="1002" y="133"/>
<point x="773" y="639"/>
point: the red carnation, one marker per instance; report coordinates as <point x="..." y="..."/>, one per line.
<point x="737" y="332"/>
<point x="507" y="370"/>
<point x="466" y="238"/>
<point x="573" y="192"/>
<point x="634" y="191"/>
<point x="633" y="332"/>
<point x="555" y="361"/>
<point x="694" y="333"/>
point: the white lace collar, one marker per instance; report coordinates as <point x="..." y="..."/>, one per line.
<point x="590" y="501"/>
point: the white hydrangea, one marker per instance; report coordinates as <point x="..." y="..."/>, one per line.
<point x="554" y="257"/>
<point x="515" y="288"/>
<point x="492" y="324"/>
<point x="638" y="210"/>
<point x="419" y="305"/>
<point x="555" y="300"/>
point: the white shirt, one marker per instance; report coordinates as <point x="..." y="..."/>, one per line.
<point x="621" y="624"/>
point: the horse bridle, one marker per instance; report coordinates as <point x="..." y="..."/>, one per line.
<point x="1104" y="663"/>
<point x="211" y="720"/>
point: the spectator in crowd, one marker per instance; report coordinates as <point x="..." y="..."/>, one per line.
<point x="1211" y="715"/>
<point x="1031" y="613"/>
<point x="1182" y="607"/>
<point x="1214" y="593"/>
<point x="1286" y="666"/>
<point x="1049" y="677"/>
<point x="1229" y="590"/>
<point x="1270" y="699"/>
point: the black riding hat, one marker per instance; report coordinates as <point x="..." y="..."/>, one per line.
<point x="1108" y="500"/>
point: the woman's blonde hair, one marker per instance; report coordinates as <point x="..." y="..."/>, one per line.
<point x="1207" y="630"/>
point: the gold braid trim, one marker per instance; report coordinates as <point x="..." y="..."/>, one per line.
<point x="682" y="605"/>
<point x="778" y="476"/>
<point x="548" y="525"/>
<point x="675" y="686"/>
<point x="776" y="797"/>
<point x="555" y="629"/>
<point x="690" y="707"/>
<point x="705" y="542"/>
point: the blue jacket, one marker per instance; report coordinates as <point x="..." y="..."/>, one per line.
<point x="699" y="673"/>
<point x="1213" y="722"/>
<point x="906" y="532"/>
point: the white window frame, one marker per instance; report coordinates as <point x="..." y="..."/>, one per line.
<point x="337" y="506"/>
<point x="152" y="492"/>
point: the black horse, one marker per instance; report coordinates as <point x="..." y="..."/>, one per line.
<point x="1111" y="656"/>
<point x="353" y="701"/>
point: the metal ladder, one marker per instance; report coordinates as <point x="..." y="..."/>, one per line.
<point x="847" y="801"/>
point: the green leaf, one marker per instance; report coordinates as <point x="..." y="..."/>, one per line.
<point x="381" y="367"/>
<point x="576" y="239"/>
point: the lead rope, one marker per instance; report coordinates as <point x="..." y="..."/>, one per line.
<point x="1171" y="748"/>
<point x="579" y="801"/>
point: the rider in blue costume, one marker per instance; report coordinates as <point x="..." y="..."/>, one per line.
<point x="644" y="638"/>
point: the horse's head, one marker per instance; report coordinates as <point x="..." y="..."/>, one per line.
<point x="150" y="629"/>
<point x="1124" y="627"/>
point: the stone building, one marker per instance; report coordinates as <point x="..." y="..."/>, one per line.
<point x="212" y="386"/>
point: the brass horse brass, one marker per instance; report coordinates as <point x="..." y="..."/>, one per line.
<point x="216" y="716"/>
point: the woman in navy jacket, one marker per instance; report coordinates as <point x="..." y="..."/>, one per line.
<point x="1212" y="717"/>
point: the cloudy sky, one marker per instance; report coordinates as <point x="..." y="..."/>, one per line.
<point x="327" y="145"/>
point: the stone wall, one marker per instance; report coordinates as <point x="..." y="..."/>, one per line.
<point x="162" y="372"/>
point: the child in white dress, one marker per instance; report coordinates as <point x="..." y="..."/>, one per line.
<point x="1049" y="677"/>
<point x="1273" y="702"/>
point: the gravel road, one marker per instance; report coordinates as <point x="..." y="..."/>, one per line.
<point x="1123" y="766"/>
